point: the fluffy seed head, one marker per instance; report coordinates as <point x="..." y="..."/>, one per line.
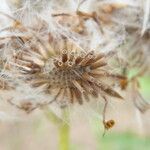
<point x="69" y="75"/>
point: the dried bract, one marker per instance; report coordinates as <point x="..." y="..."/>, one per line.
<point x="70" y="74"/>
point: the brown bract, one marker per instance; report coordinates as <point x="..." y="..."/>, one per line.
<point x="69" y="75"/>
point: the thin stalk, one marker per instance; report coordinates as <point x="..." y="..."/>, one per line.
<point x="51" y="116"/>
<point x="64" y="131"/>
<point x="63" y="127"/>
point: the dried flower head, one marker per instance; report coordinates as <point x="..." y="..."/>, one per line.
<point x="60" y="51"/>
<point x="137" y="62"/>
<point x="69" y="74"/>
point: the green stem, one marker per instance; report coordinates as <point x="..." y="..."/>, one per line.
<point x="64" y="129"/>
<point x="51" y="116"/>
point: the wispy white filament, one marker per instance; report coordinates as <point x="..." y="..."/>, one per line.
<point x="146" y="18"/>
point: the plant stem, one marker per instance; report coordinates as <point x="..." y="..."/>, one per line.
<point x="64" y="129"/>
<point x="51" y="116"/>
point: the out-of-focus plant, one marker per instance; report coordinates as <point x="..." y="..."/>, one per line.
<point x="63" y="53"/>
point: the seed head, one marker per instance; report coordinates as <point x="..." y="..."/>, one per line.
<point x="68" y="75"/>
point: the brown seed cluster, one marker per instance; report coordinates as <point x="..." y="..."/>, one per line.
<point x="70" y="75"/>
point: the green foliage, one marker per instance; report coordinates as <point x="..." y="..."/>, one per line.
<point x="123" y="141"/>
<point x="145" y="86"/>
